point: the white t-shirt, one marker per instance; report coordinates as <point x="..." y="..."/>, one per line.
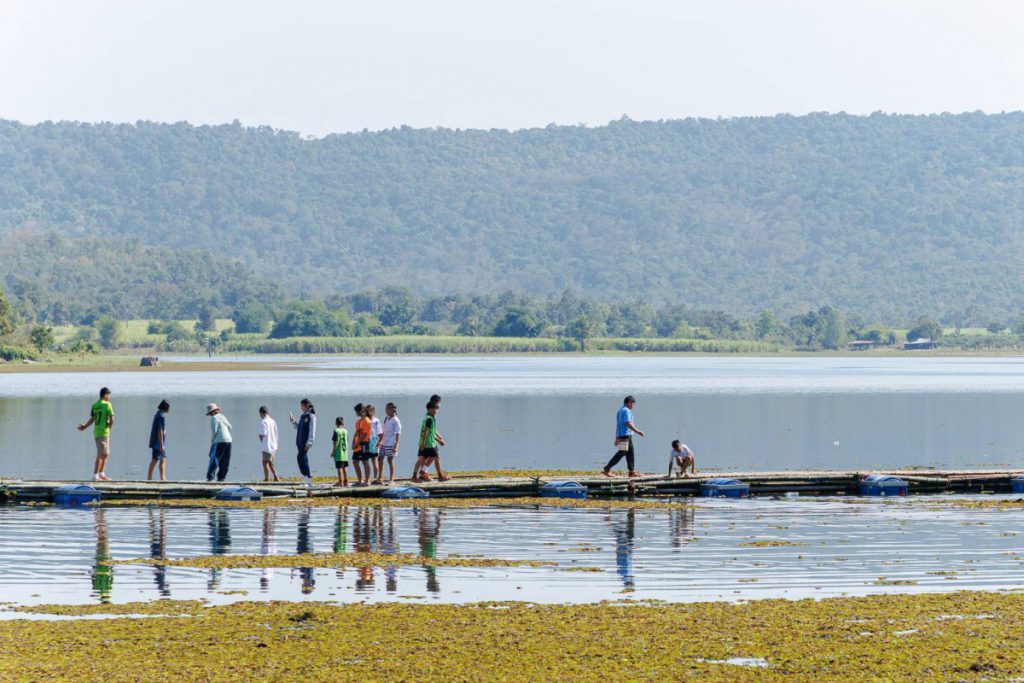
<point x="268" y="434"/>
<point x="392" y="428"/>
<point x="684" y="451"/>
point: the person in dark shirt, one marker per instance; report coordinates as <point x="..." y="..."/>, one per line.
<point x="158" y="441"/>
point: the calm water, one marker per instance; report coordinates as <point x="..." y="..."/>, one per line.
<point x="737" y="413"/>
<point x="695" y="553"/>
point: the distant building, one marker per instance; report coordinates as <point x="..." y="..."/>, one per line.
<point x="920" y="344"/>
<point x="861" y="345"/>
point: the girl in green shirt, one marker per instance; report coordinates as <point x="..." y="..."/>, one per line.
<point x="339" y="450"/>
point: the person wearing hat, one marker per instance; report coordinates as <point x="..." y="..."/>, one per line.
<point x="220" y="443"/>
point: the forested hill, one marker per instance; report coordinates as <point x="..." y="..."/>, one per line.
<point x="889" y="216"/>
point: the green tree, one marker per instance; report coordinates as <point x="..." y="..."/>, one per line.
<point x="207" y="322"/>
<point x="110" y="331"/>
<point x="766" y="324"/>
<point x="833" y="330"/>
<point x="581" y="329"/>
<point x="41" y="337"/>
<point x="309" y="320"/>
<point x="925" y="328"/>
<point x="251" y="317"/>
<point x="519" y="321"/>
<point x="7" y="322"/>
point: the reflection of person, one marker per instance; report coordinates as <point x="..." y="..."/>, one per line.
<point x="427" y="535"/>
<point x="305" y="434"/>
<point x="268" y="544"/>
<point x="220" y="540"/>
<point x="220" y="443"/>
<point x="102" y="571"/>
<point x="389" y="546"/>
<point x="158" y="548"/>
<point x="362" y="536"/>
<point x="101" y="417"/>
<point x="624" y="533"/>
<point x="680" y="522"/>
<point x="268" y="444"/>
<point x="303" y="545"/>
<point x="625" y="428"/>
<point x="158" y="441"/>
<point x="682" y="457"/>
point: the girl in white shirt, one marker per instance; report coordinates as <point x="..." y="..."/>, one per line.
<point x="389" y="444"/>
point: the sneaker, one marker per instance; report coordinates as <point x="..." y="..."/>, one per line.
<point x="103" y="477"/>
<point x="307" y="482"/>
<point x="96" y="477"/>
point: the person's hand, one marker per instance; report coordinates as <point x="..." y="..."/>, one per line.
<point x="306" y="449"/>
<point x="640" y="433"/>
<point x="81" y="427"/>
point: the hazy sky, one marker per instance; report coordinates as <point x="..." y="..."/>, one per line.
<point x="319" y="66"/>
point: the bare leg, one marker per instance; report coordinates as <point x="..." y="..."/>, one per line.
<point x="420" y="461"/>
<point x="391" y="469"/>
<point x="152" y="464"/>
<point x="163" y="470"/>
<point x="273" y="470"/>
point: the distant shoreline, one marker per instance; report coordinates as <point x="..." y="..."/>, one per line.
<point x="121" y="362"/>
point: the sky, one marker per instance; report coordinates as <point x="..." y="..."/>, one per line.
<point x="322" y="66"/>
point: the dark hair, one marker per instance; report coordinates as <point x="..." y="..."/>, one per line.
<point x="339" y="421"/>
<point x="676" y="443"/>
<point x="392" y="406"/>
<point x="370" y="408"/>
<point x="628" y="399"/>
<point x="431" y="404"/>
<point x="104" y="392"/>
<point x="164" y="406"/>
<point x="264" y="411"/>
<point x="309" y="404"/>
<point x="435" y="399"/>
<point x="359" y="409"/>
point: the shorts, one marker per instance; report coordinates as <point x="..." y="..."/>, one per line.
<point x="429" y="453"/>
<point x="268" y="457"/>
<point x="361" y="456"/>
<point x="159" y="454"/>
<point x="387" y="451"/>
<point x="102" y="446"/>
<point x="338" y="464"/>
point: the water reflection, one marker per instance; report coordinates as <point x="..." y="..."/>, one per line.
<point x="624" y="528"/>
<point x="268" y="544"/>
<point x="158" y="548"/>
<point x="680" y="526"/>
<point x="428" y="528"/>
<point x="220" y="541"/>
<point x="102" y="571"/>
<point x="303" y="545"/>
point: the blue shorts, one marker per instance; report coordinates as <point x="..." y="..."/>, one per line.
<point x="159" y="454"/>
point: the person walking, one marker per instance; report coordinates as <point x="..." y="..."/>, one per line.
<point x="389" y="445"/>
<point x="268" y="444"/>
<point x="158" y="441"/>
<point x="220" y="443"/>
<point x="101" y="417"/>
<point x="429" y="442"/>
<point x="625" y="428"/>
<point x="305" y="434"/>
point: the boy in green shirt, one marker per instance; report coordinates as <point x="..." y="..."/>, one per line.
<point x="101" y="417"/>
<point x="340" y="450"/>
<point x="429" y="441"/>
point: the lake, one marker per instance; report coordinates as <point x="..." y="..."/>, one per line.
<point x="548" y="411"/>
<point x="705" y="550"/>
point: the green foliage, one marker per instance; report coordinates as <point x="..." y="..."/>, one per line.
<point x="9" y="352"/>
<point x="207" y="322"/>
<point x="310" y="320"/>
<point x="519" y="321"/>
<point x="251" y="317"/>
<point x="7" y="321"/>
<point x="883" y="215"/>
<point x="110" y="331"/>
<point x="580" y="329"/>
<point x="65" y="280"/>
<point x="925" y="328"/>
<point x="41" y="337"/>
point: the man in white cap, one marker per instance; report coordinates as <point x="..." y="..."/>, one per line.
<point x="220" y="443"/>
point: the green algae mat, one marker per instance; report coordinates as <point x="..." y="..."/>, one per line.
<point x="959" y="636"/>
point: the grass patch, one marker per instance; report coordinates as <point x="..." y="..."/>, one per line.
<point x="333" y="560"/>
<point x="838" y="639"/>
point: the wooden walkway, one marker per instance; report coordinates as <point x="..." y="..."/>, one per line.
<point x="825" y="482"/>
